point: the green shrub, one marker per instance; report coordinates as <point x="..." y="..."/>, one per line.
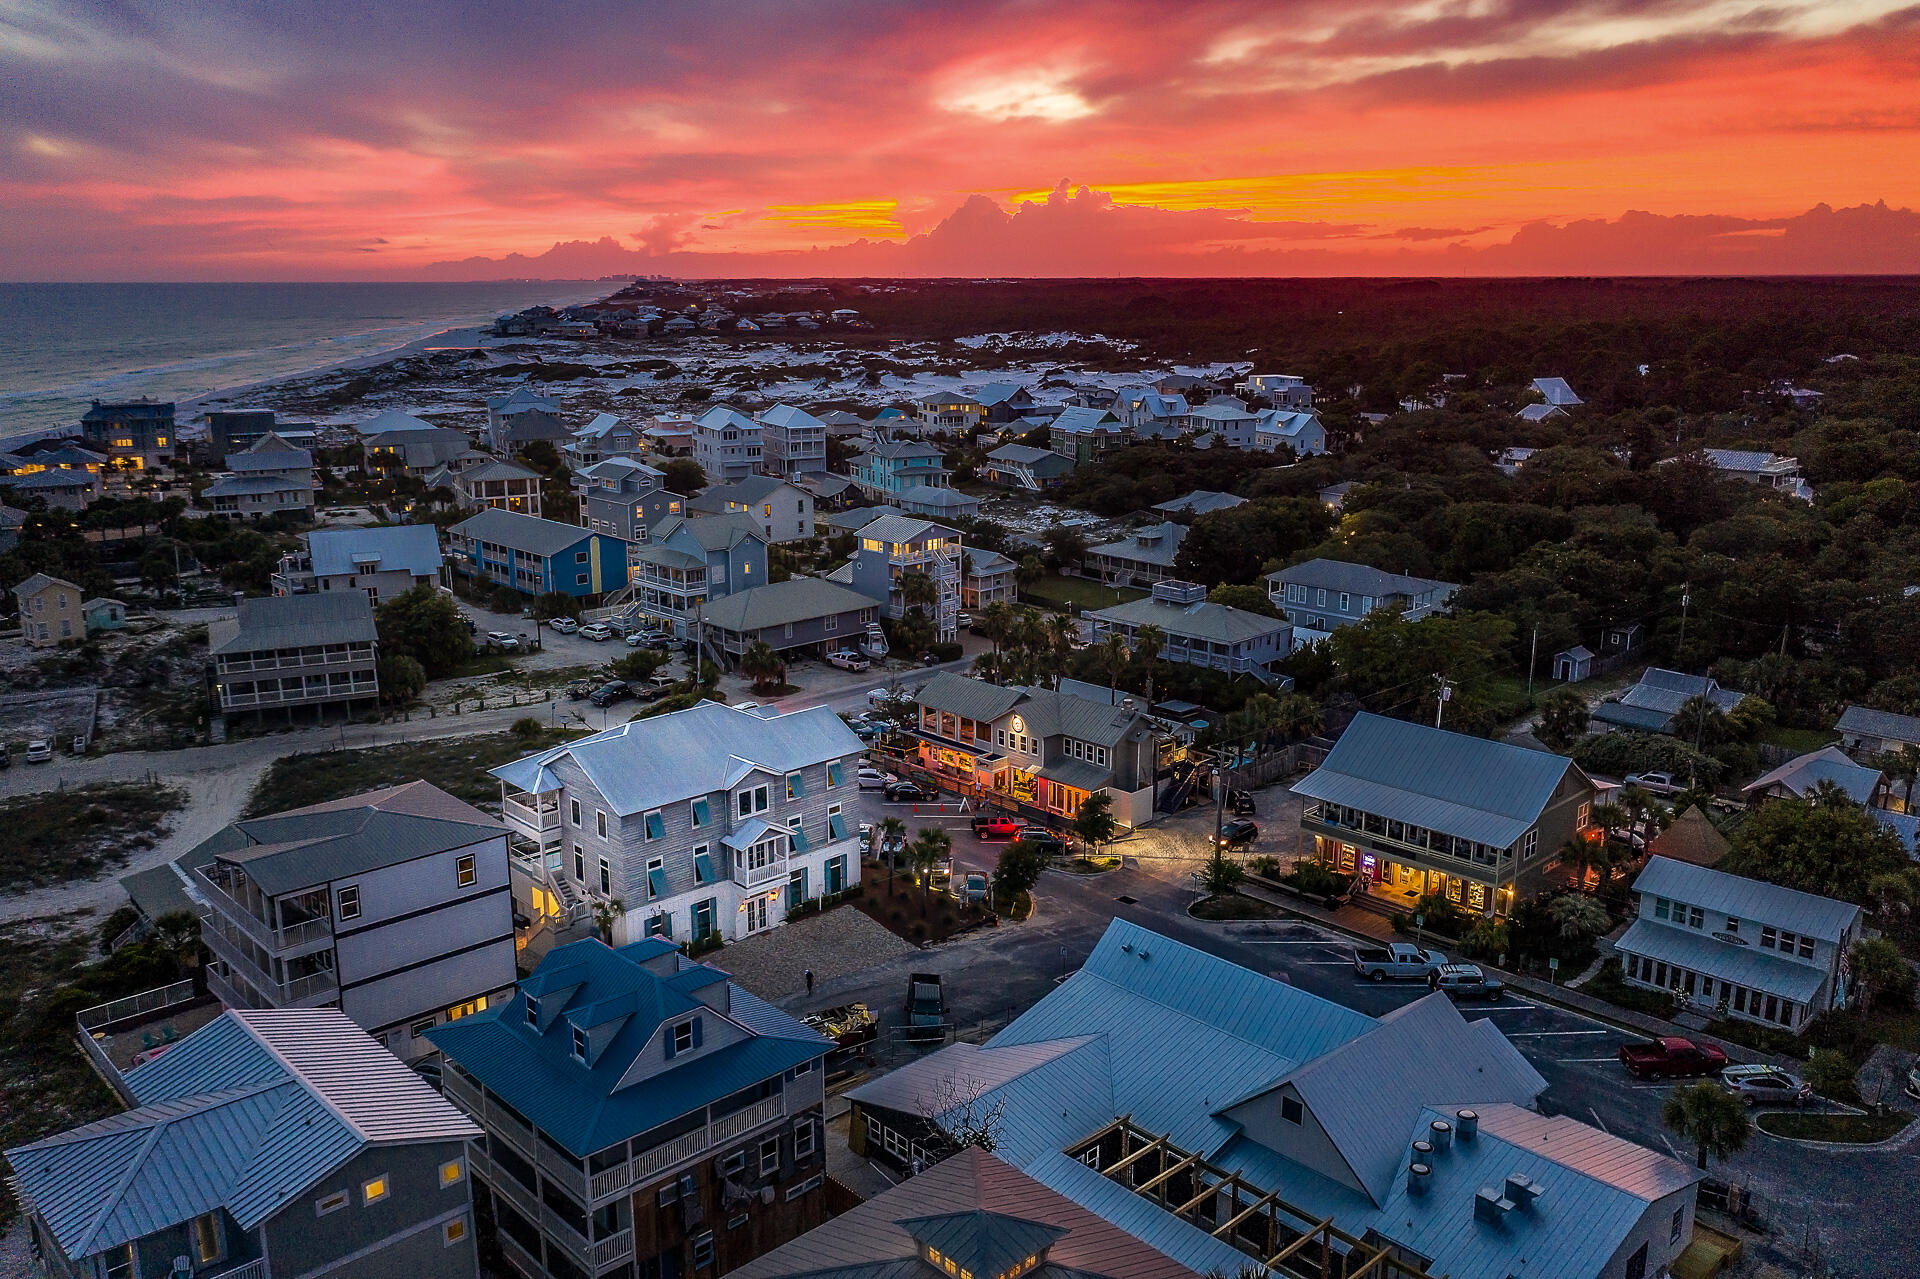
<point x="1315" y="879"/>
<point x="1265" y="866"/>
<point x="113" y="925"/>
<point x="946" y="652"/>
<point x="1832" y="1075"/>
<point x="1485" y="940"/>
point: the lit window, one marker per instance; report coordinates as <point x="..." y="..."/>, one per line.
<point x="206" y="1237"/>
<point x="453" y="1172"/>
<point x="453" y="1232"/>
<point x="372" y="1192"/>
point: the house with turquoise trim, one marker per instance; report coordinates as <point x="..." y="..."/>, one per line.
<point x="536" y="556"/>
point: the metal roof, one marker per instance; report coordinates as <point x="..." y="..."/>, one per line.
<point x="895" y="527"/>
<point x="1200" y="501"/>
<point x="527" y="533"/>
<point x="646" y="763"/>
<point x="711" y="532"/>
<point x="1717" y="890"/>
<point x="963" y="695"/>
<point x="1884" y="724"/>
<point x="1154" y="544"/>
<point x="798" y="599"/>
<point x="245" y="1113"/>
<point x="1081" y="420"/>
<point x="1742" y="965"/>
<point x="1217" y="623"/>
<point x="1556" y="390"/>
<point x="498" y="469"/>
<point x="582" y="1106"/>
<point x="1803" y="773"/>
<point x="1078" y="773"/>
<point x="393" y="420"/>
<point x="750" y="491"/>
<point x="295" y="621"/>
<point x="1469" y="787"/>
<point x="251" y="485"/>
<point x="1356" y="579"/>
<point x="789" y="416"/>
<point x="409" y="548"/>
<point x="1022" y="454"/>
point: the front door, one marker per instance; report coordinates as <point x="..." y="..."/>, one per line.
<point x="796" y="888"/>
<point x="756" y="913"/>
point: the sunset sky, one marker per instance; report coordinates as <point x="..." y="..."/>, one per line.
<point x="287" y="140"/>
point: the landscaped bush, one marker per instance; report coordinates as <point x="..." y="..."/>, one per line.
<point x="1315" y="879"/>
<point x="1438" y="916"/>
<point x="1266" y="867"/>
<point x="1618" y="754"/>
<point x="946" y="652"/>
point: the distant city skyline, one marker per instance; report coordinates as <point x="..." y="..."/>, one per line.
<point x="235" y="141"/>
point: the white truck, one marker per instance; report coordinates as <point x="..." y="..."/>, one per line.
<point x="1396" y="959"/>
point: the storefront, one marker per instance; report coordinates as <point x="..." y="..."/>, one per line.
<point x="1065" y="785"/>
<point x="1383" y="875"/>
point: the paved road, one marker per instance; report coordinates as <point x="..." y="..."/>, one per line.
<point x="1856" y="1202"/>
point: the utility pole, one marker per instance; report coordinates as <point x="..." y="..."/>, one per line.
<point x="1440" y="701"/>
<point x="1686" y="597"/>
<point x="1533" y="657"/>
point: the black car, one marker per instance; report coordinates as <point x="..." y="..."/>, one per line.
<point x="1237" y="834"/>
<point x="1240" y="803"/>
<point x="909" y="793"/>
<point x="1043" y="841"/>
<point x="607" y="694"/>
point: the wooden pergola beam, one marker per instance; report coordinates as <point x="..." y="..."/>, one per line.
<point x="1272" y="1196"/>
<point x="1158" y="1143"/>
<point x="1171" y="1171"/>
<point x="1318" y="1232"/>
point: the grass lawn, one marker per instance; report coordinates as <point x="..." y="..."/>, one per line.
<point x="457" y="765"/>
<point x="1234" y="906"/>
<point x="1860" y="1129"/>
<point x="481" y="664"/>
<point x="1799" y="740"/>
<point x="76" y="834"/>
<point x="1092" y="865"/>
<point x="1060" y="593"/>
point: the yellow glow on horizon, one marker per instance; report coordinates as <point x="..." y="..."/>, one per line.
<point x="1315" y="192"/>
<point x="869" y="217"/>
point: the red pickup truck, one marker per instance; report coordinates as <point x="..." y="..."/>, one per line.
<point x="1671" y="1057"/>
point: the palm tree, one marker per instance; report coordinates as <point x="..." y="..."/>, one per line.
<point x="893" y="838"/>
<point x="763" y="666"/>
<point x="1830" y="794"/>
<point x="1609" y="818"/>
<point x="997" y="621"/>
<point x="1637" y="804"/>
<point x="1701" y="720"/>
<point x="1148" y="643"/>
<point x="1029" y="570"/>
<point x="916" y="588"/>
<point x="607" y="911"/>
<point x="1709" y="1116"/>
<point x="931" y="847"/>
<point x="1113" y="654"/>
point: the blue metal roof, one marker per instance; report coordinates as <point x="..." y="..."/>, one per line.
<point x="413" y="548"/>
<point x="634" y="990"/>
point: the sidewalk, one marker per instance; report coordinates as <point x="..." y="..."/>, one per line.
<point x="1368" y="926"/>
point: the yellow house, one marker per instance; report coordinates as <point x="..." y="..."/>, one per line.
<point x="50" y="611"/>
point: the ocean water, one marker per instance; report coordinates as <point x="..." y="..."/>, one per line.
<point x="62" y="345"/>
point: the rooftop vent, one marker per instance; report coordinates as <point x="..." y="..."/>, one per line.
<point x="1440" y="1132"/>
<point x="1423" y="1152"/>
<point x="1418" y="1178"/>
<point x="1489" y="1207"/>
<point x="1522" y="1190"/>
<point x="1467" y="1124"/>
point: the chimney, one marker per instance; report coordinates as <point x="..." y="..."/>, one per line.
<point x="1418" y="1177"/>
<point x="1441" y="1134"/>
<point x="1467" y="1124"/>
<point x="1489" y="1207"/>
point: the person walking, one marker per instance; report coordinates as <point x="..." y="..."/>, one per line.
<point x="809" y="981"/>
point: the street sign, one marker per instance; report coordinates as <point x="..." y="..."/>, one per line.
<point x="1553" y="963"/>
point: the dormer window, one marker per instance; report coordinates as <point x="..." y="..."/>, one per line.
<point x="579" y="1043"/>
<point x="533" y="1012"/>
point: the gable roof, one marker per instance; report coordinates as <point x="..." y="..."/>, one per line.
<point x="1356" y="579"/>
<point x="1218" y="623"/>
<point x="1556" y="390"/>
<point x="647" y="763"/>
<point x="749" y="490"/>
<point x="498" y="469"/>
<point x="895" y="527"/>
<point x="624" y="995"/>
<point x="1882" y="724"/>
<point x="1081" y="420"/>
<point x="245" y="1113"/>
<point x="720" y="532"/>
<point x="1801" y="774"/>
<point x="520" y="400"/>
<point x="788" y="416"/>
<point x="294" y="621"/>
<point x="1200" y="501"/>
<point x="1469" y="787"/>
<point x="527" y="533"/>
<point x="1155" y="544"/>
<point x="393" y="420"/>
<point x="1717" y="890"/>
<point x="798" y="599"/>
<point x="269" y="453"/>
<point x="410" y="548"/>
<point x="998" y="393"/>
<point x="40" y="582"/>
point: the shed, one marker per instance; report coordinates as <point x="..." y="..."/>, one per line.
<point x="1573" y="664"/>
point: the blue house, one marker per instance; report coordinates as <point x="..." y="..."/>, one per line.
<point x="892" y="467"/>
<point x="687" y="562"/>
<point x="643" y="1114"/>
<point x="536" y="556"/>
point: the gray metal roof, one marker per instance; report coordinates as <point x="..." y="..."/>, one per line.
<point x="669" y="758"/>
<point x="410" y="548"/>
<point x="1201" y="501"/>
<point x="1883" y="724"/>
<point x="1719" y="891"/>
<point x="971" y="698"/>
<point x="1742" y="965"/>
<point x="904" y="528"/>
<point x="1356" y="579"/>
<point x="393" y="420"/>
<point x="498" y="469"/>
<point x="1828" y="764"/>
<point x="1022" y="454"/>
<point x="1082" y="420"/>
<point x="1485" y="791"/>
<point x="1155" y="544"/>
<point x="527" y="533"/>
<point x="798" y="599"/>
<point x="250" y="485"/>
<point x="1078" y="773"/>
<point x="1216" y="623"/>
<point x="245" y="1113"/>
<point x="751" y="490"/>
<point x="294" y="621"/>
<point x="712" y="532"/>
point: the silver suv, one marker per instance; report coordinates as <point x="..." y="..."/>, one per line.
<point x="1466" y="981"/>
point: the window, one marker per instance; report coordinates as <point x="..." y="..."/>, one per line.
<point x="1673" y="1227"/>
<point x="703" y="1250"/>
<point x="329" y="1203"/>
<point x="702" y="865"/>
<point x="579" y="1044"/>
<point x="803" y="1139"/>
<point x="684" y="1038"/>
<point x="836" y="823"/>
<point x="349" y="902"/>
<point x="421" y="1027"/>
<point x="1806" y="948"/>
<point x="701" y="813"/>
<point x="453" y="1172"/>
<point x="1583" y="818"/>
<point x="118" y="1264"/>
<point x="798" y="837"/>
<point x="600" y="824"/>
<point x="573" y="807"/>
<point x="656" y="877"/>
<point x="656" y="825"/>
<point x="755" y="799"/>
<point x="606" y="877"/>
<point x="1637" y="1263"/>
<point x="1290" y="1109"/>
<point x="1767" y="937"/>
<point x="1345" y="602"/>
<point x="836" y="774"/>
<point x="580" y="863"/>
<point x="463" y="870"/>
<point x="770" y="1157"/>
<point x="453" y="1232"/>
<point x="533" y="1011"/>
<point x="733" y="1163"/>
<point x="373" y="1191"/>
<point x="206" y="1238"/>
<point x="1696" y="918"/>
<point x="1662" y="908"/>
<point x="796" y="787"/>
<point x="1733" y="925"/>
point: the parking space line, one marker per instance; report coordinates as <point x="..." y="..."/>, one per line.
<point x="1517" y="1034"/>
<point x="1598" y="1120"/>
<point x="1567" y="1061"/>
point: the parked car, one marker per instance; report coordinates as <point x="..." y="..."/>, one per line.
<point x="565" y="625"/>
<point x="578" y="689"/>
<point x="614" y="691"/>
<point x="1396" y="959"/>
<point x="1655" y="783"/>
<point x="1671" y="1057"/>
<point x="661" y="680"/>
<point x="1044" y="841"/>
<point x="997" y="826"/>
<point x="973" y="889"/>
<point x="39" y="751"/>
<point x="596" y="631"/>
<point x="872" y="778"/>
<point x="866" y="730"/>
<point x="1237" y="834"/>
<point x="848" y="660"/>
<point x="963" y="618"/>
<point x="909" y="793"/>
<point x="926" y="1007"/>
<point x="880" y="698"/>
<point x="1467" y="981"/>
<point x="502" y="641"/>
<point x="1240" y="803"/>
<point x="1759" y="1085"/>
<point x="649" y="639"/>
<point x="466" y="620"/>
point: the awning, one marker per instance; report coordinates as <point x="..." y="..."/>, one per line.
<point x="752" y="831"/>
<point x="1747" y="966"/>
<point x="979" y="750"/>
<point x="1077" y="773"/>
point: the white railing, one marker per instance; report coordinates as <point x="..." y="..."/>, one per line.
<point x="255" y="1269"/>
<point x="314" y="987"/>
<point x="289" y="937"/>
<point x="360" y="653"/>
<point x="669" y="1153"/>
<point x="751" y="877"/>
<point x="359" y="687"/>
<point x="613" y="1248"/>
<point x="747" y="1120"/>
<point x="532" y="818"/>
<point x="147" y="1001"/>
